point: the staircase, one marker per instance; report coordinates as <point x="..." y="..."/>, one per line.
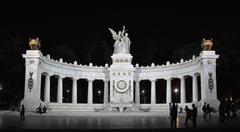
<point x="74" y="107"/>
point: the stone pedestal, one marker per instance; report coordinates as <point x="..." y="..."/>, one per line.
<point x="121" y="78"/>
<point x="32" y="87"/>
<point x="208" y="78"/>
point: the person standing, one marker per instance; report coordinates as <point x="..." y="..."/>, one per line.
<point x="194" y="115"/>
<point x="208" y="111"/>
<point x="22" y="113"/>
<point x="188" y="115"/>
<point x="174" y="115"/>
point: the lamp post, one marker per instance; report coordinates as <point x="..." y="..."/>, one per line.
<point x="176" y="92"/>
<point x="99" y="94"/>
<point x="143" y="91"/>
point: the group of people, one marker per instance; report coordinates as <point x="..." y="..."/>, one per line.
<point x="206" y="111"/>
<point x="14" y="107"/>
<point x="191" y="114"/>
<point x="41" y="110"/>
<point x="227" y="110"/>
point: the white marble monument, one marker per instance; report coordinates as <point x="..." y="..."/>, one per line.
<point x="121" y="72"/>
<point x="121" y="94"/>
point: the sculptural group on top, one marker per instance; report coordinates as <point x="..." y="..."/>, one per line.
<point x="122" y="41"/>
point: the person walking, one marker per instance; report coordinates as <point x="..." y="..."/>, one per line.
<point x="194" y="115"/>
<point x="204" y="109"/>
<point x="228" y="109"/>
<point x="221" y="110"/>
<point x="22" y="113"/>
<point x="234" y="111"/>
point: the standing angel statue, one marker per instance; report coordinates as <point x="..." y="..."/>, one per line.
<point x="122" y="42"/>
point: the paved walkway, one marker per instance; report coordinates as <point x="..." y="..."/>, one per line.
<point x="105" y="120"/>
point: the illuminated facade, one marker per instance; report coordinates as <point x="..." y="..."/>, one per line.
<point x="121" y="80"/>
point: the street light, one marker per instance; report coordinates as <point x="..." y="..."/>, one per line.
<point x="143" y="91"/>
<point x="176" y="92"/>
<point x="99" y="93"/>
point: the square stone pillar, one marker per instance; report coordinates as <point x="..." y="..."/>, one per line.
<point x="32" y="88"/>
<point x="209" y="78"/>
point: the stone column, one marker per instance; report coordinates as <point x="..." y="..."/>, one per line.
<point x="153" y="91"/>
<point x="195" y="89"/>
<point x="169" y="91"/>
<point x="60" y="90"/>
<point x="90" y="92"/>
<point x="137" y="93"/>
<point x="74" y="91"/>
<point x="105" y="92"/>
<point x="47" y="88"/>
<point x="183" y="90"/>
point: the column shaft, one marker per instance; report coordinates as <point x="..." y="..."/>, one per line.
<point x="47" y="88"/>
<point x="137" y="93"/>
<point x="74" y="91"/>
<point x="153" y="92"/>
<point x="195" y="89"/>
<point x="105" y="92"/>
<point x="60" y="89"/>
<point x="183" y="90"/>
<point x="90" y="92"/>
<point x="169" y="91"/>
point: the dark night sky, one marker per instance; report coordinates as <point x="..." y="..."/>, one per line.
<point x="175" y="26"/>
<point x="73" y="24"/>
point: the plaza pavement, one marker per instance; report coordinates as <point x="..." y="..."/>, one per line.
<point x="106" y="121"/>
